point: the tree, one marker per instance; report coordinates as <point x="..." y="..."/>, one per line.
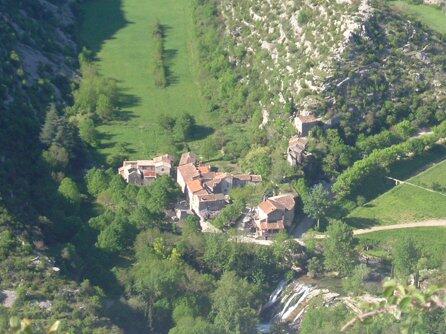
<point x="339" y="248"/>
<point x="88" y="132"/>
<point x="155" y="279"/>
<point x="209" y="148"/>
<point x="49" y="128"/>
<point x="317" y="202"/>
<point x="97" y="181"/>
<point x="104" y="107"/>
<point x="233" y="305"/>
<point x="189" y="325"/>
<point x="405" y="258"/>
<point x="166" y="122"/>
<point x="56" y="156"/>
<point x="258" y="161"/>
<point x="116" y="236"/>
<point x="354" y="283"/>
<point x="184" y="127"/>
<point x="69" y="190"/>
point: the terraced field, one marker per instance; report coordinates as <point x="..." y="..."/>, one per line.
<point x="119" y="31"/>
<point x="407" y="202"/>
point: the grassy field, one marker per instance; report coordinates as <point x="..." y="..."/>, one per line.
<point x="431" y="241"/>
<point x="119" y="31"/>
<point x="406" y="203"/>
<point x="434" y="17"/>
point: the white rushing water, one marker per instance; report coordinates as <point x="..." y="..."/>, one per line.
<point x="287" y="304"/>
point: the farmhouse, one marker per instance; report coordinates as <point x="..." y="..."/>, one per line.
<point x="304" y="124"/>
<point x="296" y="152"/>
<point x="143" y="172"/>
<point x="206" y="190"/>
<point x="274" y="214"/>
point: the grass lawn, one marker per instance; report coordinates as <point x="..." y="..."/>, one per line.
<point x="119" y="31"/>
<point x="431" y="241"/>
<point x="405" y="203"/>
<point x="433" y="17"/>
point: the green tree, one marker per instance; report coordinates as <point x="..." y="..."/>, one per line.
<point x="354" y="284"/>
<point x="156" y="279"/>
<point x="258" y="161"/>
<point x="233" y="305"/>
<point x="339" y="248"/>
<point x="184" y="127"/>
<point x="56" y="156"/>
<point x="7" y="242"/>
<point x="88" y="132"/>
<point x="405" y="258"/>
<point x="189" y="325"/>
<point x="116" y="236"/>
<point x="104" y="107"/>
<point x="49" y="128"/>
<point x="97" y="181"/>
<point x="69" y="190"/>
<point x="317" y="202"/>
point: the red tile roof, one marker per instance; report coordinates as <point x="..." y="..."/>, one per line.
<point x="268" y="206"/>
<point x="286" y="200"/>
<point x="188" y="172"/>
<point x="204" y="169"/>
<point x="194" y="186"/>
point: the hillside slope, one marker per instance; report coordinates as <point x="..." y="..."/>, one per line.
<point x="38" y="59"/>
<point x="350" y="59"/>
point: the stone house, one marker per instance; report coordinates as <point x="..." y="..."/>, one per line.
<point x="143" y="172"/>
<point x="304" y="124"/>
<point x="275" y="214"/>
<point x="296" y="152"/>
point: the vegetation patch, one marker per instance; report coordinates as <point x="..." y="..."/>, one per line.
<point x="430" y="241"/>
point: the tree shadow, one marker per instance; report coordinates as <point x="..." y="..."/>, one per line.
<point x="360" y="222"/>
<point x="101" y="20"/>
<point x="169" y="56"/>
<point x="201" y="132"/>
<point x="171" y="77"/>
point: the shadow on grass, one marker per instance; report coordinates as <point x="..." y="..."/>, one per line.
<point x="169" y="56"/>
<point x="359" y="222"/>
<point x="201" y="132"/>
<point x="101" y="20"/>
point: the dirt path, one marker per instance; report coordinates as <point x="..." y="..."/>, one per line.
<point x="426" y="223"/>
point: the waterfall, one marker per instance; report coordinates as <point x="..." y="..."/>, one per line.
<point x="287" y="304"/>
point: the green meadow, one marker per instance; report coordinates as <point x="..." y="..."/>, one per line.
<point x="432" y="16"/>
<point x="120" y="34"/>
<point x="406" y="203"/>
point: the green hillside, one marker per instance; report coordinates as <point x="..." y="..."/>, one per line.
<point x="121" y="34"/>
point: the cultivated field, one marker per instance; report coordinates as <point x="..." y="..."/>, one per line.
<point x="120" y="31"/>
<point x="406" y="203"/>
<point x="429" y="15"/>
